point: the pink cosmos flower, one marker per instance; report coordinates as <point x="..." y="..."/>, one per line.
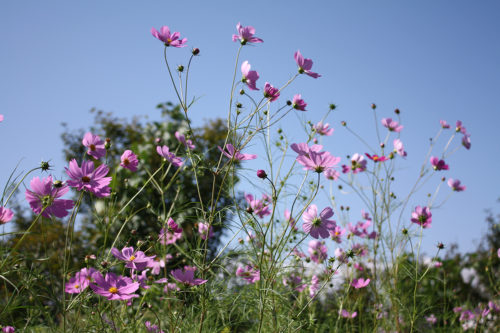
<point x="295" y="282"/>
<point x="331" y="174"/>
<point x="80" y="281"/>
<point x="318" y="226"/>
<point x="44" y="194"/>
<point x="171" y="234"/>
<point x="95" y="145"/>
<point x="298" y="103"/>
<point x="114" y="287"/>
<point x="360" y="283"/>
<point x="142" y="278"/>
<point x="168" y="285"/>
<point x="232" y="153"/>
<point x="391" y="125"/>
<point x="344" y="313"/>
<point x="8" y="329"/>
<point x="460" y="128"/>
<point x="1" y="118"/>
<point x="88" y="179"/>
<point x="167" y="38"/>
<point x="498" y="253"/>
<point x="158" y="263"/>
<point x="466" y="141"/>
<point x="246" y="35"/>
<point x="376" y="158"/>
<point x="318" y="161"/>
<point x="129" y="160"/>
<point x="322" y="129"/>
<point x="317" y="251"/>
<point x="303" y="149"/>
<point x="182" y="139"/>
<point x="438" y="164"/>
<point x="358" y="163"/>
<point x="136" y="260"/>
<point x="305" y="65"/>
<point x="399" y="148"/>
<point x="444" y="124"/>
<point x="5" y="215"/>
<point x="359" y="249"/>
<point x="249" y="273"/>
<point x="341" y="255"/>
<point x="455" y="185"/>
<point x="249" y="77"/>
<point x="337" y="233"/>
<point x="360" y="229"/>
<point x="152" y="328"/>
<point x="290" y="220"/>
<point x="422" y="216"/>
<point x="314" y="286"/>
<point x="271" y="92"/>
<point x="186" y="276"/>
<point x="205" y="230"/>
<point x="256" y="206"/>
<point x="431" y="319"/>
<point x="164" y="152"/>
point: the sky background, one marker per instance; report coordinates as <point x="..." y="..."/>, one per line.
<point x="431" y="59"/>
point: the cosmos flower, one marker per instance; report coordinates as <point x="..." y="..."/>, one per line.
<point x="205" y="230"/>
<point x="232" y="153"/>
<point x="5" y="215"/>
<point x="318" y="161"/>
<point x="44" y="194"/>
<point x="164" y="152"/>
<point x="298" y="103"/>
<point x="344" y="313"/>
<point x="322" y="129"/>
<point x="331" y="174"/>
<point x="136" y="260"/>
<point x="376" y="158"/>
<point x="271" y="92"/>
<point x="186" y="276"/>
<point x="466" y="141"/>
<point x="438" y="164"/>
<point x="314" y="286"/>
<point x="169" y="39"/>
<point x="129" y="160"/>
<point x="246" y="35"/>
<point x="391" y="125"/>
<point x="248" y="273"/>
<point x="305" y="65"/>
<point x="88" y="179"/>
<point x="295" y="282"/>
<point x="95" y="145"/>
<point x="455" y="185"/>
<point x="444" y="124"/>
<point x="249" y="77"/>
<point x="317" y="251"/>
<point x="337" y="233"/>
<point x="158" y="263"/>
<point x="360" y="283"/>
<point x="318" y="226"/>
<point x="171" y="234"/>
<point x="422" y="216"/>
<point x="303" y="148"/>
<point x="256" y="206"/>
<point x="182" y="139"/>
<point x="80" y="281"/>
<point x="114" y="287"/>
<point x="399" y="148"/>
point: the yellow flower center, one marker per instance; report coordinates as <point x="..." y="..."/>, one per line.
<point x="77" y="286"/>
<point x="132" y="258"/>
<point x="113" y="290"/>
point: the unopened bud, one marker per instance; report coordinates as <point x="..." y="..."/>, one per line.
<point x="332" y="106"/>
<point x="373" y="106"/>
<point x="397" y="111"/>
<point x="195" y="51"/>
<point x="261" y="174"/>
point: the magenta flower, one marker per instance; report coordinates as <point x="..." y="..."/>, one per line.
<point x="460" y="128"/>
<point x="114" y="287"/>
<point x="8" y="329"/>
<point x="318" y="161"/>
<point x="136" y="260"/>
<point x="1" y="118"/>
<point x="271" y="92"/>
<point x="186" y="276"/>
<point x="129" y="160"/>
<point x="444" y="124"/>
<point x="246" y="35"/>
<point x="182" y="139"/>
<point x="249" y="77"/>
<point x="80" y="281"/>
<point x="358" y="164"/>
<point x="331" y="174"/>
<point x="295" y="282"/>
<point x="205" y="230"/>
<point x="376" y="158"/>
<point x="360" y="283"/>
<point x="317" y="251"/>
<point x="431" y="319"/>
<point x="256" y="206"/>
<point x="337" y="233"/>
<point x="171" y="234"/>
<point x="167" y="38"/>
<point x="399" y="148"/>
<point x="249" y="273"/>
<point x="318" y="226"/>
<point x="438" y="164"/>
<point x="344" y="313"/>
<point x="95" y="145"/>
<point x="314" y="286"/>
<point x="152" y="328"/>
<point x="391" y="125"/>
<point x="169" y="156"/>
<point x="303" y="149"/>
<point x="466" y="141"/>
<point x="44" y="194"/>
<point x="158" y="263"/>
<point x="422" y="216"/>
<point x="305" y="65"/>
<point x="322" y="129"/>
<point x="341" y="255"/>
<point x="455" y="185"/>
<point x="88" y="179"/>
<point x="298" y="103"/>
<point x="232" y="153"/>
<point x="5" y="215"/>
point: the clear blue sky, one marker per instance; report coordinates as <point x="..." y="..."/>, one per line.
<point x="432" y="59"/>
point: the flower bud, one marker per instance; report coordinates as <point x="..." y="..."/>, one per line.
<point x="288" y="103"/>
<point x="382" y="145"/>
<point x="261" y="174"/>
<point x="332" y="106"/>
<point x="44" y="166"/>
<point x="373" y="106"/>
<point x="180" y="68"/>
<point x="343" y="123"/>
<point x="440" y="246"/>
<point x="397" y="111"/>
<point x="195" y="51"/>
<point x="239" y="105"/>
<point x="242" y="92"/>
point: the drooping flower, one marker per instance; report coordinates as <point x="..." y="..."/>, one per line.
<point x="317" y="251"/>
<point x="88" y="179"/>
<point x="232" y="153"/>
<point x="44" y="194"/>
<point x="444" y="124"/>
<point x="114" y="287"/>
<point x="375" y="158"/>
<point x="360" y="283"/>
<point x="246" y="35"/>
<point x="164" y="152"/>
<point x="466" y="141"/>
<point x="95" y="145"/>
<point x="167" y="38"/>
<point x="399" y="148"/>
<point x="205" y="230"/>
<point x="80" y="281"/>
<point x="422" y="216"/>
<point x="391" y="125"/>
<point x="318" y="161"/>
<point x="170" y="234"/>
<point x="248" y="273"/>
<point x="186" y="276"/>
<point x="129" y="160"/>
<point x="322" y="129"/>
<point x="438" y="164"/>
<point x="182" y="139"/>
<point x="249" y="77"/>
<point x="5" y="215"/>
<point x="256" y="206"/>
<point x="344" y="313"/>
<point x="271" y="92"/>
<point x="136" y="260"/>
<point x="305" y="65"/>
<point x="331" y="174"/>
<point x="298" y="103"/>
<point x="318" y="226"/>
<point x="455" y="185"/>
